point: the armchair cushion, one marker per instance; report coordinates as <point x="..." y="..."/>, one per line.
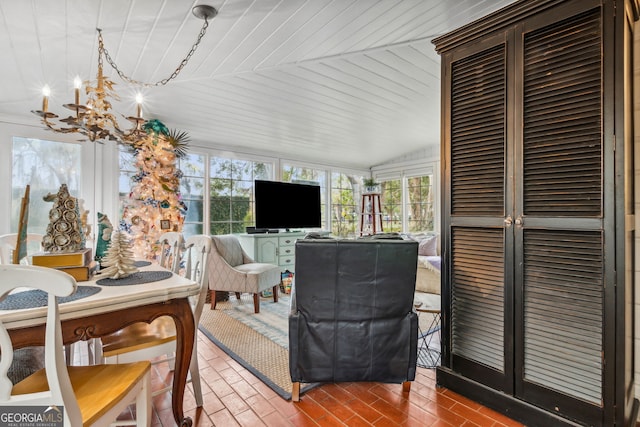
<point x="229" y="249"/>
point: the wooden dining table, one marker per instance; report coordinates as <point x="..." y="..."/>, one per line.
<point x="113" y="308"/>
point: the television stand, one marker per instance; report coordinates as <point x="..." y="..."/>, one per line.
<point x="274" y="248"/>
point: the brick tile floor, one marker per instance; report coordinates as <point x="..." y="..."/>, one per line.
<point x="235" y="397"/>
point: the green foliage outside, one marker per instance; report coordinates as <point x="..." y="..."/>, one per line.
<point x="344" y="208"/>
<point x="420" y="209"/>
<point x="231" y="193"/>
<point x="420" y="215"/>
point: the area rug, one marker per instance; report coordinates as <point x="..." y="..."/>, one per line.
<point x="259" y="342"/>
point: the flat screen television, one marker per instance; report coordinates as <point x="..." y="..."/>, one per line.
<point x="286" y="205"/>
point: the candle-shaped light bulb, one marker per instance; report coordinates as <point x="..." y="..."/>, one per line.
<point x="77" y="83"/>
<point x="46" y="92"/>
<point x="139" y="102"/>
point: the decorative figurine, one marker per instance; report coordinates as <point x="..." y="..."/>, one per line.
<point x="104" y="236"/>
<point x="64" y="232"/>
<point x="118" y="262"/>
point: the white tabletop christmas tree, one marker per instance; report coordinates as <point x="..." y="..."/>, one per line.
<point x="118" y="262"/>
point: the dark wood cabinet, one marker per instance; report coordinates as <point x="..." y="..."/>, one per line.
<point x="538" y="212"/>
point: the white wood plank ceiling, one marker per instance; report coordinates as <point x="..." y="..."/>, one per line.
<point x="345" y="82"/>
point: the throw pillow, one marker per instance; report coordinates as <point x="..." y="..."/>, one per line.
<point x="428" y="246"/>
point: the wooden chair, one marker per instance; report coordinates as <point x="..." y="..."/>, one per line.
<point x="171" y="246"/>
<point x="90" y="395"/>
<point x="142" y="341"/>
<point x="8" y="245"/>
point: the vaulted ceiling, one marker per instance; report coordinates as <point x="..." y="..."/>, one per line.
<point x="343" y="82"/>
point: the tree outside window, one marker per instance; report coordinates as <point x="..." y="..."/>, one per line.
<point x="420" y="215"/>
<point x="232" y="202"/>
<point x="45" y="166"/>
<point x="345" y="196"/>
<point x="391" y="201"/>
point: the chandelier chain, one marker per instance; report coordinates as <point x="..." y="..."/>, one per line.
<point x="103" y="51"/>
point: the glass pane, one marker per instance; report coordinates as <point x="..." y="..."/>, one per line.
<point x="243" y="189"/>
<point x="263" y="171"/>
<point x="192" y="165"/>
<point x="238" y="227"/>
<point x="220" y="228"/>
<point x="192" y="229"/>
<point x="45" y="166"/>
<point x="124" y="182"/>
<point x="420" y="213"/>
<point x="391" y="201"/>
<point x="220" y="187"/>
<point x="220" y="207"/>
<point x="240" y="209"/>
<point x="126" y="159"/>
<point x="191" y="187"/>
<point x="194" y="210"/>
<point x="231" y="191"/>
<point x="242" y="170"/>
<point x="345" y="199"/>
<point x="220" y="167"/>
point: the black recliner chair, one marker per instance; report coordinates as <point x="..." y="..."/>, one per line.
<point x="352" y="316"/>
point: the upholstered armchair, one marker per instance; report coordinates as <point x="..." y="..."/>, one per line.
<point x="232" y="270"/>
<point x="352" y="315"/>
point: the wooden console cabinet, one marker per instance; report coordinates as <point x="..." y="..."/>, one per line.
<point x="272" y="248"/>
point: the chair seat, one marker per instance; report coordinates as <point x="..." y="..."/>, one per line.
<point x="256" y="268"/>
<point x="97" y="388"/>
<point x="139" y="336"/>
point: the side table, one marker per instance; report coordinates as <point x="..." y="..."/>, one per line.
<point x="429" y="339"/>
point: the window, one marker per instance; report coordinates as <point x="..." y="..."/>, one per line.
<point x="44" y="165"/>
<point x="192" y="192"/>
<point x="127" y="164"/>
<point x="408" y="197"/>
<point x="345" y="196"/>
<point x="231" y="193"/>
<point x="304" y="175"/>
<point x="420" y="215"/>
<point x="391" y="201"/>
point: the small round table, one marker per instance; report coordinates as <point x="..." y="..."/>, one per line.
<point x="429" y="340"/>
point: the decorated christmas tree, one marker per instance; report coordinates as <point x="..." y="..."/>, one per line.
<point x="154" y="205"/>
<point x="118" y="262"/>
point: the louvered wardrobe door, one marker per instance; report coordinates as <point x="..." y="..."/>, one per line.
<point x="476" y="203"/>
<point x="562" y="257"/>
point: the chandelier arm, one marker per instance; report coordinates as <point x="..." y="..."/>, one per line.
<point x="103" y="50"/>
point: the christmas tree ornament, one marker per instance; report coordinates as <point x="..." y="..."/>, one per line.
<point x="104" y="236"/>
<point x="118" y="262"/>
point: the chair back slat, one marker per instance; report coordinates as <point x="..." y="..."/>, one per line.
<point x="8" y="245"/>
<point x="196" y="258"/>
<point x="171" y="247"/>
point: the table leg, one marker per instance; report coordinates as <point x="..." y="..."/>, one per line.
<point x="185" y="336"/>
<point x="101" y="324"/>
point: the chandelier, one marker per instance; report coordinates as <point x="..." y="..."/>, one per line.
<point x="94" y="119"/>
